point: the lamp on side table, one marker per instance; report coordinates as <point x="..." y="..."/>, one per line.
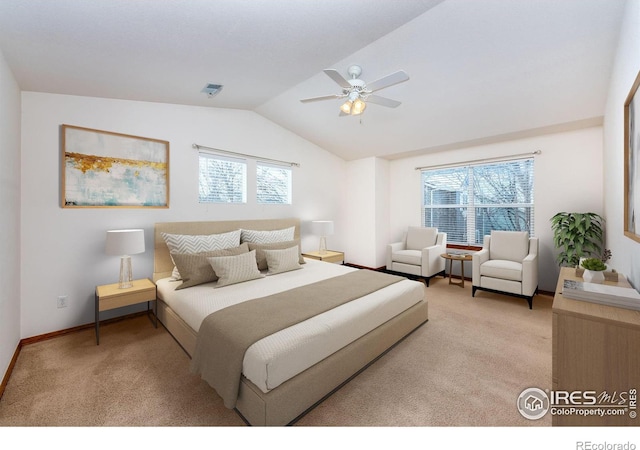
<point x="125" y="243"/>
<point x="322" y="228"/>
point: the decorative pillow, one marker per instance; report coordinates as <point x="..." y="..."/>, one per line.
<point x="267" y="237"/>
<point x="283" y="260"/>
<point x="235" y="269"/>
<point x="195" y="268"/>
<point x="260" y="248"/>
<point x="186" y="243"/>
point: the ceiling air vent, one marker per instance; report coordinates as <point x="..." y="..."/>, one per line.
<point x="212" y="89"/>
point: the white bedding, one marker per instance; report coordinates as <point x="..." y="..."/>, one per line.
<point x="276" y="358"/>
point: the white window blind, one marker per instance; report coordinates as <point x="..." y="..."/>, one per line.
<point x="467" y="202"/>
<point x="273" y="184"/>
<point x="222" y="179"/>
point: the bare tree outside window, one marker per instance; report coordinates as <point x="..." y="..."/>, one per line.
<point x="468" y="202"/>
<point x="273" y="184"/>
<point x="222" y="180"/>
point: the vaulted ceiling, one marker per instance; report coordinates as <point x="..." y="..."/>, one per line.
<point x="480" y="70"/>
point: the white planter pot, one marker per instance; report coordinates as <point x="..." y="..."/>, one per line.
<point x="593" y="276"/>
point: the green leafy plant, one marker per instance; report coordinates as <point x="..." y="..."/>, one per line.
<point x="577" y="235"/>
<point x="593" y="264"/>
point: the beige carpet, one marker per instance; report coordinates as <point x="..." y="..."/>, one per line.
<point x="465" y="367"/>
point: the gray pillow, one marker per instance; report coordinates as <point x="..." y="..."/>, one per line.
<point x="260" y="248"/>
<point x="283" y="260"/>
<point x="235" y="269"/>
<point x="188" y="243"/>
<point x="195" y="269"/>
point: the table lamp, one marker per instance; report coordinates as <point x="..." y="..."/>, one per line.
<point x="323" y="228"/>
<point x="125" y="243"/>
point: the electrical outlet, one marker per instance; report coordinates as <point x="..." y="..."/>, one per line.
<point x="63" y="301"/>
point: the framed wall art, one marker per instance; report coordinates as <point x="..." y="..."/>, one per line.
<point x="103" y="169"/>
<point x="632" y="163"/>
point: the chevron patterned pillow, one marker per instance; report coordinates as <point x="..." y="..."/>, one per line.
<point x="267" y="237"/>
<point x="186" y="243"/>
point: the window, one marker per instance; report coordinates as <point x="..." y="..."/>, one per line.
<point x="222" y="179"/>
<point x="273" y="184"/>
<point x="468" y="202"/>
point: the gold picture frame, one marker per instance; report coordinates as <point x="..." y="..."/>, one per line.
<point x="103" y="169"/>
<point x="632" y="163"/>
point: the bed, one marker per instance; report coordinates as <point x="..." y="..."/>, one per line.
<point x="297" y="376"/>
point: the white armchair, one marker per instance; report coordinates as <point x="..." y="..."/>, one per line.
<point x="507" y="264"/>
<point x="418" y="253"/>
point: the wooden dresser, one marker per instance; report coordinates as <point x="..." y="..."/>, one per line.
<point x="595" y="348"/>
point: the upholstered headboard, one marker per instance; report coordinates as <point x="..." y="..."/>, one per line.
<point x="162" y="264"/>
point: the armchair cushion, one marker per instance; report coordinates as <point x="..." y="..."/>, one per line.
<point x="509" y="245"/>
<point x="408" y="257"/>
<point x="421" y="237"/>
<point x="503" y="269"/>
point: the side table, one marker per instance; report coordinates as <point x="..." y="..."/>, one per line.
<point x="110" y="296"/>
<point x="462" y="257"/>
<point x="329" y="256"/>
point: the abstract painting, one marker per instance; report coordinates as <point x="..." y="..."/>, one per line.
<point x="103" y="169"/>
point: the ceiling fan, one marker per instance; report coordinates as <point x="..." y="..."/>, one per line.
<point x="358" y="93"/>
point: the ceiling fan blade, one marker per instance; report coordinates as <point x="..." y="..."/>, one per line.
<point x="324" y="97"/>
<point x="383" y="101"/>
<point x="389" y="80"/>
<point x="335" y="76"/>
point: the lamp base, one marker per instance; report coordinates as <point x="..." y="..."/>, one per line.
<point x="323" y="246"/>
<point x="126" y="274"/>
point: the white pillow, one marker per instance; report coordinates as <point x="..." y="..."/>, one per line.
<point x="187" y="243"/>
<point x="235" y="269"/>
<point x="267" y="237"/>
<point x="282" y="260"/>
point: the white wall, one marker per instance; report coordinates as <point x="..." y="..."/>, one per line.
<point x="360" y="207"/>
<point x="383" y="218"/>
<point x="626" y="251"/>
<point x="366" y="204"/>
<point x="63" y="249"/>
<point x="568" y="178"/>
<point x="10" y="217"/>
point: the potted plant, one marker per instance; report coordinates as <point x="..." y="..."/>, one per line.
<point x="593" y="270"/>
<point x="577" y="235"/>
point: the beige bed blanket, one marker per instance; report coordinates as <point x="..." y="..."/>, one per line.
<point x="225" y="335"/>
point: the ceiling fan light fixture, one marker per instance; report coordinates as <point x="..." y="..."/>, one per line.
<point x="357" y="91"/>
<point x="358" y="107"/>
<point x="346" y="107"/>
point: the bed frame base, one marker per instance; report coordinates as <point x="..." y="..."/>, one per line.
<point x="341" y="384"/>
<point x="293" y="399"/>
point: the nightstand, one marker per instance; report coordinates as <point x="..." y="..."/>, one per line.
<point x="110" y="296"/>
<point x="329" y="256"/>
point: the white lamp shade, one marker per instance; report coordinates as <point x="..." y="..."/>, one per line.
<point x="124" y="242"/>
<point x="322" y="227"/>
